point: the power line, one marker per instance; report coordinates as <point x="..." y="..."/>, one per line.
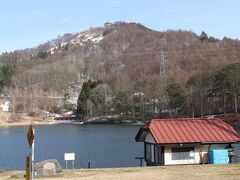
<point x="172" y="54"/>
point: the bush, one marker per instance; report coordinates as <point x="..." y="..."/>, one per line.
<point x="2" y="118"/>
<point x="42" y="54"/>
<point x="33" y="114"/>
<point x="14" y="117"/>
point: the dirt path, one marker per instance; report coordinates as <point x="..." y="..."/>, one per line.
<point x="182" y="172"/>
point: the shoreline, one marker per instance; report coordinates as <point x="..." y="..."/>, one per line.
<point x="52" y="122"/>
<point x="25" y="120"/>
<point x="21" y="119"/>
<point x="23" y="123"/>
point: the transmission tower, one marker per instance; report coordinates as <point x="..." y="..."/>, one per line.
<point x="162" y="63"/>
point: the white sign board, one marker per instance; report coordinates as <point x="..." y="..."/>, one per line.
<point x="69" y="156"/>
<point x="191" y="153"/>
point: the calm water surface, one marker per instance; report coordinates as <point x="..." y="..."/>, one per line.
<point x="102" y="145"/>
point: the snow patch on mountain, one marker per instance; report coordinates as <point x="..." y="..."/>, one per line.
<point x="75" y="88"/>
<point x="88" y="37"/>
<point x="94" y="36"/>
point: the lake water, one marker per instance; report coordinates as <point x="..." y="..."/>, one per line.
<point x="102" y="145"/>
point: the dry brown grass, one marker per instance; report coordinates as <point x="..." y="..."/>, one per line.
<point x="25" y="120"/>
<point x="181" y="172"/>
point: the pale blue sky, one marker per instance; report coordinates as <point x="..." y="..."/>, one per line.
<point x="27" y="23"/>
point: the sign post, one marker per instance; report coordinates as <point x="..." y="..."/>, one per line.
<point x="69" y="157"/>
<point x="27" y="167"/>
<point x="30" y="137"/>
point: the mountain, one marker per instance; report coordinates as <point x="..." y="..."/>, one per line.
<point x="125" y="56"/>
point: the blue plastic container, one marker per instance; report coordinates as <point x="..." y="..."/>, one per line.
<point x="218" y="156"/>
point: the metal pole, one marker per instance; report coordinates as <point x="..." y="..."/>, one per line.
<point x="32" y="153"/>
<point x="66" y="165"/>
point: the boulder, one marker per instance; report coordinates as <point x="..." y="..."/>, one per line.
<point x="48" y="168"/>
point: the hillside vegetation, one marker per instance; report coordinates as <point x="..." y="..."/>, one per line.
<point x="144" y="73"/>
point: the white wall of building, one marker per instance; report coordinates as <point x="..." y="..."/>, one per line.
<point x="198" y="150"/>
<point x="5" y="106"/>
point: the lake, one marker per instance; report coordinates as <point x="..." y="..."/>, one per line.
<point x="102" y="145"/>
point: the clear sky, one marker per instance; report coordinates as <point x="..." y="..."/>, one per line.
<point x="28" y="23"/>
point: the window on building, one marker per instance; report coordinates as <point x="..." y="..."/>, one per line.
<point x="182" y="153"/>
<point x="157" y="158"/>
<point x="153" y="153"/>
<point x="148" y="152"/>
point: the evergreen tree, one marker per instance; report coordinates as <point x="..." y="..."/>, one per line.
<point x="176" y="97"/>
<point x="203" y="36"/>
<point x="6" y="73"/>
<point x="227" y="83"/>
<point x="83" y="98"/>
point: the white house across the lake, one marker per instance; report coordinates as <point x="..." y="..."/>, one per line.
<point x="5" y="106"/>
<point x="187" y="141"/>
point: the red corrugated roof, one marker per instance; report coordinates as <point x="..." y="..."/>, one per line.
<point x="190" y="130"/>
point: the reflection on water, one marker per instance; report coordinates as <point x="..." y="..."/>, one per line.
<point x="4" y="131"/>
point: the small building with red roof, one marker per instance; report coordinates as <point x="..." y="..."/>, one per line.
<point x="184" y="140"/>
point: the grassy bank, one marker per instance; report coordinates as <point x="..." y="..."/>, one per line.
<point x="24" y="120"/>
<point x="184" y="172"/>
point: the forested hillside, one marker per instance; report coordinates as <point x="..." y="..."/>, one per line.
<point x="143" y="73"/>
